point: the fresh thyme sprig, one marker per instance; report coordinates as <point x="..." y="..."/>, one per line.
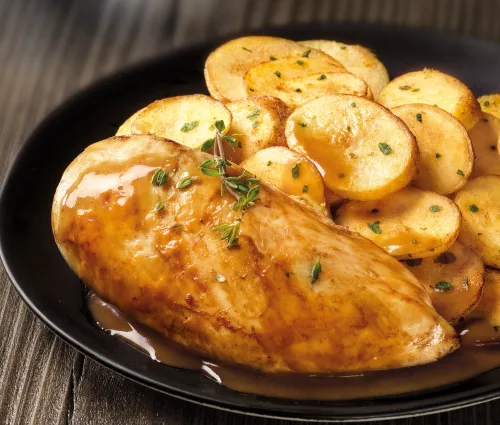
<point x="229" y="232"/>
<point x="245" y="191"/>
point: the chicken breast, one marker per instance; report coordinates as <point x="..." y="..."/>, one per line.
<point x="153" y="252"/>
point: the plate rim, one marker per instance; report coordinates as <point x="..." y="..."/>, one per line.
<point x="455" y="401"/>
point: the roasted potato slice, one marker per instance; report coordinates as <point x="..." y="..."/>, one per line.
<point x="126" y="128"/>
<point x="291" y="172"/>
<point x="411" y="223"/>
<point x="446" y="155"/>
<point x="357" y="59"/>
<point x="188" y="120"/>
<point x="362" y="150"/>
<point x="490" y="103"/>
<point x="226" y="65"/>
<point x="297" y="81"/>
<point x="454" y="280"/>
<point x="485" y="140"/>
<point x="433" y="88"/>
<point x="261" y="122"/>
<point x="483" y="324"/>
<point x="479" y="202"/>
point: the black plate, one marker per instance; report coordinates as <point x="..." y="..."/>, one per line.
<point x="54" y="293"/>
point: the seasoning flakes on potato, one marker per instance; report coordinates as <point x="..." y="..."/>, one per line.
<point x="226" y="65"/>
<point x="411" y="223"/>
<point x="433" y="88"/>
<point x="362" y="150"/>
<point x="484" y="321"/>
<point x="260" y="123"/>
<point x="485" y="140"/>
<point x="188" y="120"/>
<point x="454" y="280"/>
<point x="291" y="172"/>
<point x="359" y="60"/>
<point x="490" y="103"/>
<point x="479" y="202"/>
<point x="446" y="155"/>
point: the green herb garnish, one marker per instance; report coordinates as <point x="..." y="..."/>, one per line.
<point x="385" y="148"/>
<point x="269" y="163"/>
<point x="207" y="145"/>
<point x="435" y="208"/>
<point x="405" y="87"/>
<point x="460" y="173"/>
<point x="443" y="286"/>
<point x="306" y="53"/>
<point x="219" y="125"/>
<point x="375" y="227"/>
<point x="305" y="188"/>
<point x="159" y="177"/>
<point x="159" y="206"/>
<point x="189" y="126"/>
<point x="300" y="62"/>
<point x="185" y="182"/>
<point x="322" y="77"/>
<point x="438" y="155"/>
<point x="415" y="90"/>
<point x="445" y="258"/>
<point x="486" y="103"/>
<point x="229" y="232"/>
<point x="414" y="262"/>
<point x="248" y="50"/>
<point x="316" y="270"/>
<point x="419" y="117"/>
<point x="255" y="124"/>
<point x="473" y="208"/>
<point x="353" y="104"/>
<point x="272" y="58"/>
<point x="278" y="74"/>
<point x="302" y="124"/>
<point x="375" y="211"/>
<point x="295" y="171"/>
<point x="298" y="90"/>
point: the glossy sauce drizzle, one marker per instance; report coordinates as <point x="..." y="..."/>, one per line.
<point x="470" y="360"/>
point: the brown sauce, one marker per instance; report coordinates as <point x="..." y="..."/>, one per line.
<point x="473" y="358"/>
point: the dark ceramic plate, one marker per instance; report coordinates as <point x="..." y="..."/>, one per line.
<point x="55" y="294"/>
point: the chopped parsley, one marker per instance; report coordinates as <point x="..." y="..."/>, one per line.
<point x="353" y="104"/>
<point x="415" y="90"/>
<point x="460" y="173"/>
<point x="405" y="87"/>
<point x="473" y="208"/>
<point x="272" y="58"/>
<point x="343" y="47"/>
<point x="248" y="50"/>
<point x="385" y="148"/>
<point x="295" y="171"/>
<point x="278" y="74"/>
<point x="298" y="90"/>
<point x="419" y="117"/>
<point x="159" y="177"/>
<point x="189" y="126"/>
<point x="375" y="227"/>
<point x="443" y="286"/>
<point x="306" y="53"/>
<point x="305" y="188"/>
<point x="269" y="163"/>
<point x="302" y="124"/>
<point x="486" y="103"/>
<point x="300" y="62"/>
<point x="435" y="208"/>
<point x="322" y="77"/>
<point x="255" y="124"/>
<point x="438" y="155"/>
<point x="254" y="114"/>
<point x="316" y="270"/>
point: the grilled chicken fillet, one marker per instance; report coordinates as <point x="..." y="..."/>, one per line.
<point x="253" y="304"/>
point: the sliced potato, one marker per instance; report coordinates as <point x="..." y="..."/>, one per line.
<point x="411" y="223"/>
<point x="454" y="280"/>
<point x="291" y="172"/>
<point x="483" y="325"/>
<point x="490" y="103"/>
<point x="485" y="140"/>
<point x="296" y="81"/>
<point x="479" y="202"/>
<point x="188" y="120"/>
<point x="226" y="65"/>
<point x="433" y="88"/>
<point x="261" y="121"/>
<point x="362" y="150"/>
<point x="300" y="90"/>
<point x="359" y="60"/>
<point x="126" y="128"/>
<point x="446" y="155"/>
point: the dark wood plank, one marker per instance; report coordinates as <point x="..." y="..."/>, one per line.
<point x="49" y="50"/>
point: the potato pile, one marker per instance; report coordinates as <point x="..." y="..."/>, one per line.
<point x="412" y="164"/>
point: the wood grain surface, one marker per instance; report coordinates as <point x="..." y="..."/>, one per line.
<point x="51" y="48"/>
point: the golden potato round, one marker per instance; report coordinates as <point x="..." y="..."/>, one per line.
<point x="446" y="155"/>
<point x="479" y="202"/>
<point x="261" y="122"/>
<point x="484" y="322"/>
<point x="362" y="150"/>
<point x="411" y="223"/>
<point x="433" y="88"/>
<point x="291" y="172"/>
<point x="126" y="128"/>
<point x="485" y="140"/>
<point x="490" y="103"/>
<point x="226" y="65"/>
<point x="188" y="120"/>
<point x="357" y="59"/>
<point x="454" y="280"/>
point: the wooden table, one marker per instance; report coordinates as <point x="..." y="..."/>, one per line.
<point x="50" y="49"/>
